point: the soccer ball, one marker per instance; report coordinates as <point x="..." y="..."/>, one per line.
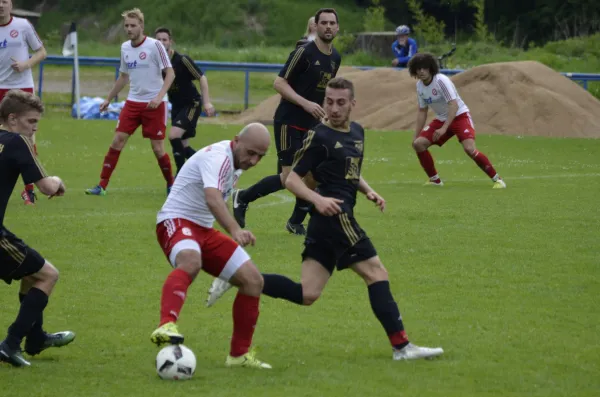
<point x="175" y="362"/>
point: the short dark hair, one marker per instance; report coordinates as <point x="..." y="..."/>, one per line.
<point x="162" y="30"/>
<point x="18" y="102"/>
<point x="423" y="60"/>
<point x="340" y="83"/>
<point x="326" y="11"/>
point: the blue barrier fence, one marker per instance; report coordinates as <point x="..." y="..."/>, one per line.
<point x="247" y="68"/>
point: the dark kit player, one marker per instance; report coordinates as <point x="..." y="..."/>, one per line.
<point x="301" y="83"/>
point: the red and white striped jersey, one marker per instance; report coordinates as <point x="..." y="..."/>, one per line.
<point x="210" y="167"/>
<point x="437" y="94"/>
<point x="144" y="64"/>
<point x="16" y="38"/>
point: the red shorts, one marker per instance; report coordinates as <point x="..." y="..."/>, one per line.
<point x="153" y="121"/>
<point x="462" y="127"/>
<point x="3" y="91"/>
<point x="221" y="256"/>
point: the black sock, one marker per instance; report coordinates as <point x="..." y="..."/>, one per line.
<point x="386" y="310"/>
<point x="31" y="309"/>
<point x="301" y="209"/>
<point x="37" y="331"/>
<point x="189" y="152"/>
<point x="178" y="152"/>
<point x="278" y="286"/>
<point x="264" y="187"/>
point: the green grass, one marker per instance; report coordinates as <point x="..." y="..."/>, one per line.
<point x="506" y="281"/>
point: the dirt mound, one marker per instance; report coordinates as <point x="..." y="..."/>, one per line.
<point x="513" y="98"/>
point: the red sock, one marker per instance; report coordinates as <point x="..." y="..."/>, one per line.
<point x="173" y="295"/>
<point x="165" y="166"/>
<point x="399" y="338"/>
<point x="245" y="316"/>
<point x="485" y="165"/>
<point x="109" y="165"/>
<point x="427" y="163"/>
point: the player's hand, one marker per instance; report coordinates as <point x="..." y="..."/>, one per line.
<point x="209" y="109"/>
<point x="315" y="110"/>
<point x="395" y="62"/>
<point x="153" y="104"/>
<point x="104" y="106"/>
<point x="329" y="206"/>
<point x="438" y="133"/>
<point x="61" y="189"/>
<point x="243" y="237"/>
<point x="377" y="199"/>
<point x="18" y="66"/>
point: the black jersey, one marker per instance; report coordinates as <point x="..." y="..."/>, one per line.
<point x="17" y="157"/>
<point x="183" y="92"/>
<point x="335" y="159"/>
<point x="307" y="71"/>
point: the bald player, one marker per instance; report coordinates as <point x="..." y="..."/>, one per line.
<point x="185" y="233"/>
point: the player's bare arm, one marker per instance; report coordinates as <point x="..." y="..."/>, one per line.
<point x="37" y="57"/>
<point x="168" y="80"/>
<point x="117" y="87"/>
<point x="208" y="106"/>
<point x="51" y="186"/>
<point x="371" y="194"/>
<point x="421" y="119"/>
<point x="327" y="206"/>
<point x="218" y="207"/>
<point x="452" y="109"/>
<point x="284" y="89"/>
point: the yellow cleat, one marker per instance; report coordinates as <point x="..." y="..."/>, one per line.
<point x="167" y="333"/>
<point x="499" y="184"/>
<point x="247" y="360"/>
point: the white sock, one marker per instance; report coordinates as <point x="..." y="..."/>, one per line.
<point x="496" y="178"/>
<point x="434" y="178"/>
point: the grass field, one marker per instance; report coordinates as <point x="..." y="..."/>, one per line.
<point x="506" y="281"/>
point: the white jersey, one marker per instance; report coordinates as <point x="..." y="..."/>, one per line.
<point x="211" y="166"/>
<point x="144" y="64"/>
<point x="437" y="94"/>
<point x="16" y="38"/>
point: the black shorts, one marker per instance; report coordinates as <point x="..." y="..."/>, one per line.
<point x="186" y="118"/>
<point x="17" y="260"/>
<point x="288" y="140"/>
<point x="336" y="241"/>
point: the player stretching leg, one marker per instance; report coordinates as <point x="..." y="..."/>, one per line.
<point x="143" y="60"/>
<point x="16" y="65"/>
<point x="452" y="117"/>
<point x="333" y="152"/>
<point x="186" y="234"/>
<point x="185" y="99"/>
<point x="20" y="113"/>
<point x="301" y="84"/>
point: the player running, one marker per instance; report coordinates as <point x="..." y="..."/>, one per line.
<point x="185" y="99"/>
<point x="18" y="37"/>
<point x="143" y="60"/>
<point x="186" y="234"/>
<point x="333" y="152"/>
<point x="20" y="113"/>
<point x="301" y="83"/>
<point x="452" y="117"/>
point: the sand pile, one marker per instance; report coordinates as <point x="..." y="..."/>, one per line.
<point x="513" y="98"/>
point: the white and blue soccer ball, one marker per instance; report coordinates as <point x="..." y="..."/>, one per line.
<point x="175" y="362"/>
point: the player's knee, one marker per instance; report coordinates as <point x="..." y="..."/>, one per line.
<point x="419" y="145"/>
<point x="119" y="142"/>
<point x="249" y="279"/>
<point x="470" y="151"/>
<point x="189" y="261"/>
<point x="158" y="151"/>
<point x="49" y="274"/>
<point x="310" y="296"/>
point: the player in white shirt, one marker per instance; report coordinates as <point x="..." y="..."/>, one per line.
<point x="185" y="233"/>
<point x="143" y="60"/>
<point x="17" y="36"/>
<point x="436" y="91"/>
